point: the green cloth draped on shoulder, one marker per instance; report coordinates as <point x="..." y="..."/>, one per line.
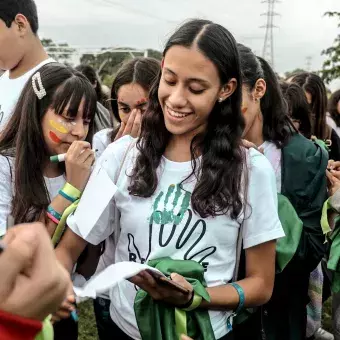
<point x="300" y="204"/>
<point x="286" y="246"/>
<point x="157" y="321"/>
<point x="304" y="185"/>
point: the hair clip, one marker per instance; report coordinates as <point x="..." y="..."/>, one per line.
<point x="41" y="92"/>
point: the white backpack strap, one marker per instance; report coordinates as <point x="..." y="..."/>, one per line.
<point x="238" y="252"/>
<point x="239" y="245"/>
<point x="116" y="212"/>
<point x="131" y="145"/>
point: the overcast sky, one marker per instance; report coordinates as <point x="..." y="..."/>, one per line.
<point x="302" y="32"/>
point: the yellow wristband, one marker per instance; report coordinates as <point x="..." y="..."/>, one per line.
<point x="196" y="302"/>
<point x="71" y="191"/>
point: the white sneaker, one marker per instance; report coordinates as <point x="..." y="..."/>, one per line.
<point x="321" y="334"/>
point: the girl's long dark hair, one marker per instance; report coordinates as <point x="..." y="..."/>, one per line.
<point x="314" y="85"/>
<point x="141" y="71"/>
<point x="218" y="188"/>
<point x="273" y="105"/>
<point x="333" y="107"/>
<point x="23" y="136"/>
<point x="298" y="107"/>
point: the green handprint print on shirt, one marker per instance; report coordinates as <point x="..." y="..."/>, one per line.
<point x="176" y="213"/>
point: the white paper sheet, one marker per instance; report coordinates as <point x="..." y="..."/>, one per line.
<point x="110" y="277"/>
<point x="97" y="195"/>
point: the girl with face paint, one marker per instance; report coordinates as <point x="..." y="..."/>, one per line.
<point x="54" y="116"/>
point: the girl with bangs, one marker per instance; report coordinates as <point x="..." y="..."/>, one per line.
<point x="54" y="115"/>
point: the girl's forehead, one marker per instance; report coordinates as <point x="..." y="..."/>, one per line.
<point x="132" y="92"/>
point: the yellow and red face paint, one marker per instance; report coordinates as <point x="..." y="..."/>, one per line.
<point x="59" y="128"/>
<point x="142" y="101"/>
<point x="54" y="138"/>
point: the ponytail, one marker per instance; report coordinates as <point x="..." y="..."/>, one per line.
<point x="273" y="106"/>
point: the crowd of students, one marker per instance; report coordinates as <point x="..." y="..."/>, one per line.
<point x="227" y="181"/>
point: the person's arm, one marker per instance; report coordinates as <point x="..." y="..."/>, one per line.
<point x="69" y="249"/>
<point x="257" y="286"/>
<point x="6" y="194"/>
<point x="333" y="181"/>
<point x="78" y="162"/>
<point x="13" y="327"/>
<point x="32" y="284"/>
<point x="335" y="147"/>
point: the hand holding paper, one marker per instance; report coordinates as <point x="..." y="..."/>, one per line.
<point x="110" y="277"/>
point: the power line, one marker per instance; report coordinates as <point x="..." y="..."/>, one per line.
<point x="134" y="10"/>
<point x="309" y="63"/>
<point x="268" y="46"/>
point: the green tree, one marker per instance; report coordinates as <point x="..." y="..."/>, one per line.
<point x="107" y="63"/>
<point x="289" y="74"/>
<point x="331" y="66"/>
<point x="60" y="52"/>
<point x="155" y="54"/>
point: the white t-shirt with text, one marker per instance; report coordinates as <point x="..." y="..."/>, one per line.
<point x="10" y="91"/>
<point x="165" y="225"/>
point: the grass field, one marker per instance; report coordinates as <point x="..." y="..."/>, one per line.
<point x="87" y="324"/>
<point x="88" y="331"/>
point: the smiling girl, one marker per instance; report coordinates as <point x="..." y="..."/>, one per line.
<point x="182" y="195"/>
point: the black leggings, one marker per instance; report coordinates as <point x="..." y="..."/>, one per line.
<point x="108" y="330"/>
<point x="66" y="330"/>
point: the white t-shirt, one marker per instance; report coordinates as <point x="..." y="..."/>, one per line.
<point x="53" y="185"/>
<point x="10" y="90"/>
<point x="165" y="225"/>
<point x="330" y="122"/>
<point x="101" y="141"/>
<point x="273" y="154"/>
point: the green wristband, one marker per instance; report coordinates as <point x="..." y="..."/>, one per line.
<point x="47" y="332"/>
<point x="71" y="191"/>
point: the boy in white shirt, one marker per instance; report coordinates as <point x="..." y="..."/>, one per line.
<point x="21" y="52"/>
